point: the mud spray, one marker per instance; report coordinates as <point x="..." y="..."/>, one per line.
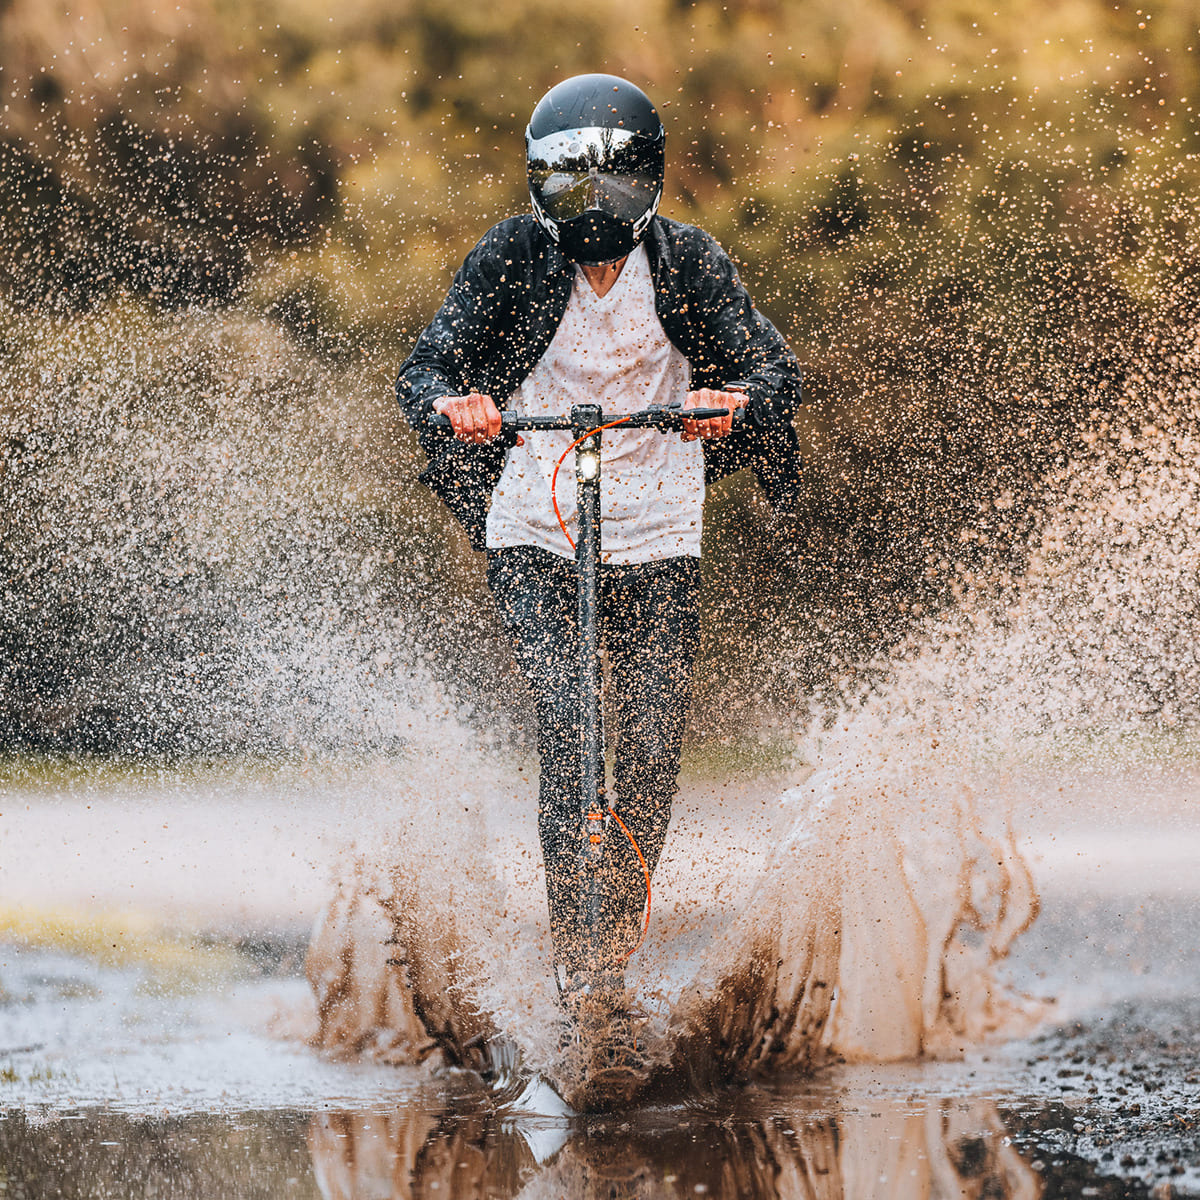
<point x="877" y="927"/>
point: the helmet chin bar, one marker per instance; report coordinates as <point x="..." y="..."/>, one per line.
<point x="594" y="237"/>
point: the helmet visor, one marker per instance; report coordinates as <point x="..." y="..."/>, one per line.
<point x="614" y="171"/>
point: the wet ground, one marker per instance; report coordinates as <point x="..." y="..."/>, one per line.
<point x="137" y="1063"/>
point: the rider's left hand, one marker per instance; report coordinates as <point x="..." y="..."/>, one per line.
<point x="714" y="427"/>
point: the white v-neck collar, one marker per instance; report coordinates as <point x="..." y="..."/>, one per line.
<point x="589" y="294"/>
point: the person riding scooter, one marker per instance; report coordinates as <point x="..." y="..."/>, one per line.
<point x="593" y="297"/>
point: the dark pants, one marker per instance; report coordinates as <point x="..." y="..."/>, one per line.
<point x="650" y="629"/>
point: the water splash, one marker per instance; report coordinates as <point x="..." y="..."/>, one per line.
<point x="873" y="930"/>
<point x="878" y="927"/>
<point x="201" y="556"/>
<point x="212" y="544"/>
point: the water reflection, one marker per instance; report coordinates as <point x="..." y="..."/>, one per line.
<point x="98" y="1155"/>
<point x="431" y="1146"/>
<point x="892" y="1151"/>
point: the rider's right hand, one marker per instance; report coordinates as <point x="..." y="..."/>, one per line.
<point x="475" y="418"/>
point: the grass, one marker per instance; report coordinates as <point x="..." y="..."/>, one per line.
<point x="707" y="758"/>
<point x="124" y="939"/>
<point x="10" y="1074"/>
<point x="703" y="758"/>
<point x="85" y="772"/>
<point x="1150" y="745"/>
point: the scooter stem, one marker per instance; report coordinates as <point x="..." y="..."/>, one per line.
<point x="593" y="810"/>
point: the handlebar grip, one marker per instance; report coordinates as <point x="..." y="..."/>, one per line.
<point x="441" y="421"/>
<point x="509" y="422"/>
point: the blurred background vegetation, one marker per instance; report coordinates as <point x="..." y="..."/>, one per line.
<point x="223" y="225"/>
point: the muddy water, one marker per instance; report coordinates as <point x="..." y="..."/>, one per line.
<point x="175" y="1067"/>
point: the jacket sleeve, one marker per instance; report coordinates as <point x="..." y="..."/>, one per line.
<point x="736" y="344"/>
<point x="446" y="358"/>
<point x="451" y="358"/>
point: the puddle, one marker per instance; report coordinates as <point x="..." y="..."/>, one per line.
<point x="112" y="1084"/>
<point x="816" y="1140"/>
<point x="177" y="1062"/>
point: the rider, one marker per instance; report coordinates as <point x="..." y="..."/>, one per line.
<point x="594" y="298"/>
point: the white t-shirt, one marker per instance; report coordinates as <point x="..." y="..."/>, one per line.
<point x="609" y="350"/>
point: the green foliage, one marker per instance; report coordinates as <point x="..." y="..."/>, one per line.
<point x="266" y="148"/>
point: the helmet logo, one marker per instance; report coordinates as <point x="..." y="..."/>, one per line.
<point x="545" y="221"/>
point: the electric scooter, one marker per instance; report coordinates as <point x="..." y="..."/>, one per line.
<point x="587" y="423"/>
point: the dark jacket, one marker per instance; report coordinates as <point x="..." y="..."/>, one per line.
<point x="502" y="311"/>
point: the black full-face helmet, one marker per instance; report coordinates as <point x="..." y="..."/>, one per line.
<point x="594" y="149"/>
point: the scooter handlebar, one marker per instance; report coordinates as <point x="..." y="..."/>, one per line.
<point x="647" y="418"/>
